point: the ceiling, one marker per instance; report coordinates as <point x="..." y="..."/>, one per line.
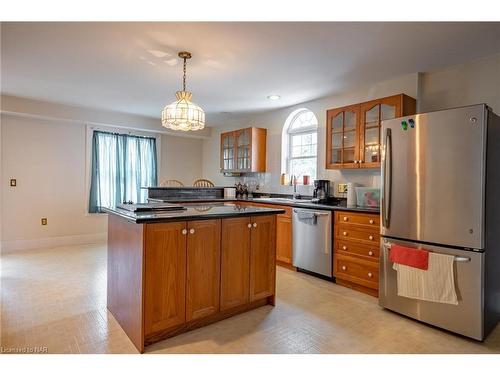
<point x="133" y="67"/>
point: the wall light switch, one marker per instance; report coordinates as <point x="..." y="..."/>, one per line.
<point x="342" y="188"/>
<point x="44" y="221"/>
<point x="13" y="182"/>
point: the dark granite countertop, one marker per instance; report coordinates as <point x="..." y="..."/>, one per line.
<point x="194" y="211"/>
<point x="296" y="203"/>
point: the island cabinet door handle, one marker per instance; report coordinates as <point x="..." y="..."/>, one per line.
<point x="370" y="274"/>
<point x="249" y="225"/>
<point x="184" y="231"/>
<point x="344" y="268"/>
<point x="346" y="218"/>
<point x="370" y="253"/>
<point x="255" y="225"/>
<point x="370" y="238"/>
<point x="344" y="247"/>
<point x="344" y="233"/>
<point x="371" y="221"/>
<point x="191" y="231"/>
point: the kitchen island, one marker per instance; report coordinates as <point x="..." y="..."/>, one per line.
<point x="173" y="271"/>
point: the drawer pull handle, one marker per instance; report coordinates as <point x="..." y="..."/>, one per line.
<point x="371" y="221"/>
<point x="370" y="274"/>
<point x="370" y="238"/>
<point x="344" y="233"/>
<point x="370" y="253"/>
<point x="249" y="225"/>
<point x="346" y="218"/>
<point x="344" y="268"/>
<point x="191" y="231"/>
<point x="344" y="247"/>
<point x="184" y="231"/>
<point x="255" y="225"/>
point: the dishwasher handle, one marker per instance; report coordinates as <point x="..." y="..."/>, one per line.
<point x="314" y="213"/>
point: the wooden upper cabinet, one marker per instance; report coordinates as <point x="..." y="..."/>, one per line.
<point x="165" y="276"/>
<point x="203" y="268"/>
<point x="243" y="150"/>
<point x="342" y="137"/>
<point x="353" y="132"/>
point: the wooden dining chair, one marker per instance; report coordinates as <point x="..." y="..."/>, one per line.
<point x="203" y="183"/>
<point x="171" y="183"/>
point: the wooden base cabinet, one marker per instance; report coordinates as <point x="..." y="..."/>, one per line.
<point x="248" y="271"/>
<point x="235" y="263"/>
<point x="165" y="276"/>
<point x="283" y="233"/>
<point x="168" y="278"/>
<point x="203" y="268"/>
<point x="356" y="251"/>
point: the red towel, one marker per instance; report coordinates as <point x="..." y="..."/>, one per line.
<point x="409" y="256"/>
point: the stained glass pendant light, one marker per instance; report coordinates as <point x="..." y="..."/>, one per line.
<point x="183" y="114"/>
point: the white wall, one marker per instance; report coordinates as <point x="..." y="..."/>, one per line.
<point x="48" y="158"/>
<point x="475" y="82"/>
<point x="273" y="121"/>
<point x="181" y="159"/>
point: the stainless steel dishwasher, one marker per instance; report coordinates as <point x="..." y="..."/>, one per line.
<point x="312" y="241"/>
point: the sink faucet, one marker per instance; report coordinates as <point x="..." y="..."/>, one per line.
<point x="294" y="183"/>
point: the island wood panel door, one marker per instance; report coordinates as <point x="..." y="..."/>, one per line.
<point x="284" y="239"/>
<point x="235" y="262"/>
<point x="165" y="276"/>
<point x="203" y="268"/>
<point x="262" y="257"/>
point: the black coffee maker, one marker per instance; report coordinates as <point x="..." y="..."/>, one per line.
<point x="321" y="191"/>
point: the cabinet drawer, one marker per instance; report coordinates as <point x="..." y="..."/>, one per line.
<point x="358" y="233"/>
<point x="369" y="252"/>
<point x="356" y="270"/>
<point x="343" y="217"/>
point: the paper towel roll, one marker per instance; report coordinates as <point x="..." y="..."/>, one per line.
<point x="351" y="194"/>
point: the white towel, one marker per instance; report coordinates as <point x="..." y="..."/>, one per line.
<point x="436" y="284"/>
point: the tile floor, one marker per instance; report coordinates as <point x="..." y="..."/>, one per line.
<point x="56" y="298"/>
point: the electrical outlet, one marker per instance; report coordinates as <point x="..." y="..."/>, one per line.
<point x="342" y="188"/>
<point x="13" y="182"/>
<point x="44" y="221"/>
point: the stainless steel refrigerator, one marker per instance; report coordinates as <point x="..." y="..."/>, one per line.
<point x="440" y="191"/>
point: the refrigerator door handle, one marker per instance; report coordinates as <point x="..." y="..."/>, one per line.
<point x="387" y="180"/>
<point x="387" y="245"/>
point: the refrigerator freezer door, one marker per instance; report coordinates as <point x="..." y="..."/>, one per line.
<point x="433" y="177"/>
<point x="466" y="318"/>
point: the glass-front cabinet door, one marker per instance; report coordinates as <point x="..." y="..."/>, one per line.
<point x="228" y="151"/>
<point x="342" y="137"/>
<point x="243" y="150"/>
<point x="372" y="113"/>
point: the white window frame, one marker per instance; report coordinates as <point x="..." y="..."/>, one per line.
<point x="287" y="135"/>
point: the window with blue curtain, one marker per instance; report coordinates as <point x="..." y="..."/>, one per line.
<point x="121" y="165"/>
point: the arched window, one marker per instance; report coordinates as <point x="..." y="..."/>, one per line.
<point x="300" y="144"/>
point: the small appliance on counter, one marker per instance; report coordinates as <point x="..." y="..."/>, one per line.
<point x="367" y="197"/>
<point x="321" y="191"/>
<point x="351" y="194"/>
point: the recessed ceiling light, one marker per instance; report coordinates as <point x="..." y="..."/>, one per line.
<point x="274" y="97"/>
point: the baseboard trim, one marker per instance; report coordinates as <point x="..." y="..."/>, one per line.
<point x="50" y="242"/>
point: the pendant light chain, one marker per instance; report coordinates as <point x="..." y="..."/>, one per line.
<point x="184" y="76"/>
